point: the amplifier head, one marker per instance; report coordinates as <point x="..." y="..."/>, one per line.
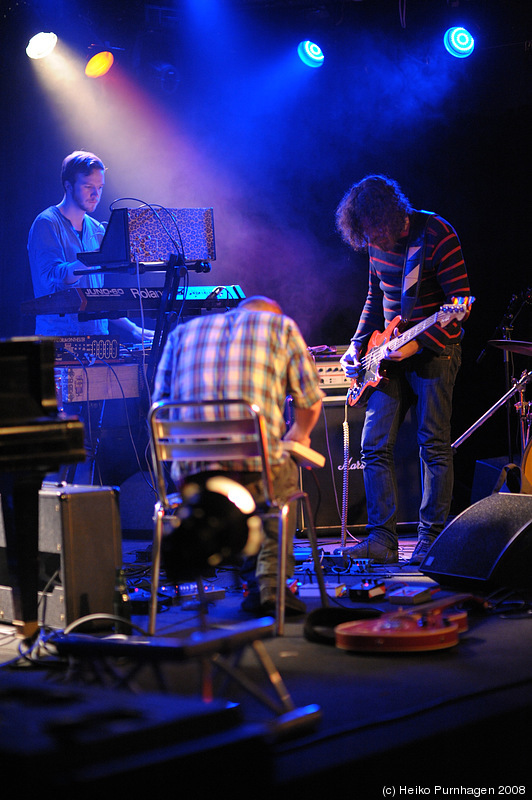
<point x="330" y="372"/>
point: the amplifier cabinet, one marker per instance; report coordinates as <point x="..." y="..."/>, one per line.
<point x="325" y="486"/>
<point x="80" y="549"/>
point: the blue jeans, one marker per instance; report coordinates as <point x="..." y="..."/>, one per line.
<point x="426" y="381"/>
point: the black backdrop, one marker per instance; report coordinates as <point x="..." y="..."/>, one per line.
<point x="272" y="147"/>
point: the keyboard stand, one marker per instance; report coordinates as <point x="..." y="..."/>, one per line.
<point x="175" y="271"/>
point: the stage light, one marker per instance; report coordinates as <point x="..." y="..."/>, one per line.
<point x="41" y="45"/>
<point x="310" y="54"/>
<point x="215" y="524"/>
<point x="458" y="42"/>
<point x="99" y="64"/>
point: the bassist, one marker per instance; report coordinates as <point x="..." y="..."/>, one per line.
<point x="415" y="266"/>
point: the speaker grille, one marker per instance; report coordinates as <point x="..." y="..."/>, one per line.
<point x="325" y="486"/>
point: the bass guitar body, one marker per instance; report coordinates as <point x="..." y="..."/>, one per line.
<point x="373" y="370"/>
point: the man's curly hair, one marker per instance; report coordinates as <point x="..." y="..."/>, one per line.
<point x="373" y="211"/>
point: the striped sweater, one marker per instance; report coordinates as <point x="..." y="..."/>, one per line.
<point x="444" y="276"/>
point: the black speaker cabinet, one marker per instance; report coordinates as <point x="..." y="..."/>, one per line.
<point x="80" y="549"/>
<point x="487" y="546"/>
<point x="325" y="486"/>
<point x="487" y="472"/>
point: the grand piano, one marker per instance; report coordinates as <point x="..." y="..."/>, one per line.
<point x="35" y="439"/>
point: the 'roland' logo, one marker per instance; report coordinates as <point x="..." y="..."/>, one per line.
<point x="146" y="294"/>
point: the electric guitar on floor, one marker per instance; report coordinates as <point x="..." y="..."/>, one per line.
<point x="431" y="626"/>
<point x="380" y="345"/>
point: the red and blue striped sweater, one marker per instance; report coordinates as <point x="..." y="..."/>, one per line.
<point x="444" y="276"/>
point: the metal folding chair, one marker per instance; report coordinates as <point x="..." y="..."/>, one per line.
<point x="212" y="432"/>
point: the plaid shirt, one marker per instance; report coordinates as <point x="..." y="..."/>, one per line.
<point x="256" y="356"/>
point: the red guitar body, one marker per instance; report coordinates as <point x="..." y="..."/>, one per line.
<point x="427" y="627"/>
<point x="360" y="389"/>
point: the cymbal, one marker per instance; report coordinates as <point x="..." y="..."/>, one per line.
<point x="525" y="348"/>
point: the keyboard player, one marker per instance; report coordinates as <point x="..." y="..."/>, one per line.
<point x="58" y="234"/>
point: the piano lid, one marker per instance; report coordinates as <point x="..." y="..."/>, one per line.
<point x="149" y="235"/>
<point x="27" y="388"/>
<point x="33" y="435"/>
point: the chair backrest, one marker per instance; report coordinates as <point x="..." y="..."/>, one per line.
<point x="211" y="431"/>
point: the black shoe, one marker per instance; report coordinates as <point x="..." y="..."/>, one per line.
<point x="292" y="604"/>
<point x="251" y="602"/>
<point x="373" y="551"/>
<point x="420" y="551"/>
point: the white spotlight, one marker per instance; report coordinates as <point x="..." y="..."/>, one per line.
<point x="41" y="45"/>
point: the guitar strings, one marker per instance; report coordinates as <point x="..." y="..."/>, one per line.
<point x="373" y="357"/>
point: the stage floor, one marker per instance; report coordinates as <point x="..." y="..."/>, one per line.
<point x="445" y="721"/>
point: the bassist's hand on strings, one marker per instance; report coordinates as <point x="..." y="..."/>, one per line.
<point x="350" y="361"/>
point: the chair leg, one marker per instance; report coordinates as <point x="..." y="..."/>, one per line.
<point x="155" y="567"/>
<point x="300" y="497"/>
<point x="282" y="561"/>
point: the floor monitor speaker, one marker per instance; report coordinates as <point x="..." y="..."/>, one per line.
<point x="325" y="486"/>
<point x="80" y="549"/>
<point x="487" y="546"/>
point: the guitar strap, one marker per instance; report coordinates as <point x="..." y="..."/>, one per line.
<point x="413" y="263"/>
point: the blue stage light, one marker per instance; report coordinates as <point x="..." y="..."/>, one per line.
<point x="458" y="42"/>
<point x="310" y="54"/>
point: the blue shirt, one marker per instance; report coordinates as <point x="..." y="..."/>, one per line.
<point x="53" y="245"/>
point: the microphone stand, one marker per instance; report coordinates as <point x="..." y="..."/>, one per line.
<point x="518" y="387"/>
<point x="504" y="331"/>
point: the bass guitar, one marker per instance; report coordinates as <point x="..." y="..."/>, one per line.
<point x="380" y="345"/>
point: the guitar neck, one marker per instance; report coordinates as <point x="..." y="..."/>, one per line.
<point x="457" y="310"/>
<point x="411" y="333"/>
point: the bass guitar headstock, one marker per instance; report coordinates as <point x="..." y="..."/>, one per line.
<point x="458" y="309"/>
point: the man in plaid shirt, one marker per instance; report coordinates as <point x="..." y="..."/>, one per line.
<point x="257" y="354"/>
